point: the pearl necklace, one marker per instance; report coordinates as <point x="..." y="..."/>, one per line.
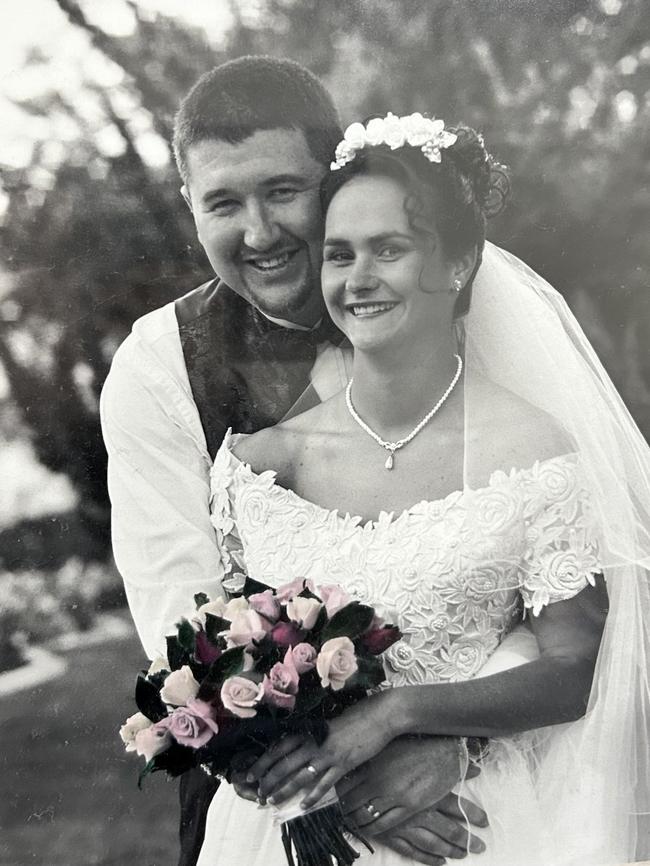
<point x="392" y="447"/>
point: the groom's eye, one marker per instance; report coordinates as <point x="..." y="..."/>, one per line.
<point x="224" y="206"/>
<point x="283" y="193"/>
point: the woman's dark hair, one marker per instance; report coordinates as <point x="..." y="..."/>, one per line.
<point x="457" y="195"/>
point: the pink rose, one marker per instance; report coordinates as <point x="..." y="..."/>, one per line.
<point x="180" y="686"/>
<point x="336" y="662"/>
<point x="192" y="725"/>
<point x="377" y="640"/>
<point x="241" y="696"/>
<point x="287" y="634"/>
<point x="335" y="598"/>
<point x="206" y="651"/>
<point x="304" y="611"/>
<point x="266" y="604"/>
<point x="304" y="657"/>
<point x="275" y="697"/>
<point x="284" y="676"/>
<point x="153" y="740"/>
<point x="246" y="626"/>
<point x="288" y="590"/>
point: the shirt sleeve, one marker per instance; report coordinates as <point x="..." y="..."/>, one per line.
<point x="562" y="551"/>
<point x="158" y="478"/>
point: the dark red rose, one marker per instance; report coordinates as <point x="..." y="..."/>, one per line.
<point x="378" y="640"/>
<point x="287" y="634"/>
<point x="206" y="651"/>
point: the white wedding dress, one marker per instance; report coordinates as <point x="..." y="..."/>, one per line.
<point x="454" y="574"/>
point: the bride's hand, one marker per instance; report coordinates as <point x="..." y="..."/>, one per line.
<point x="297" y="763"/>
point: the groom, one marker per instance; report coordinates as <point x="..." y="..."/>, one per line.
<point x="252" y="141"/>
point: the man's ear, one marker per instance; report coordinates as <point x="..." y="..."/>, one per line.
<point x="186" y="195"/>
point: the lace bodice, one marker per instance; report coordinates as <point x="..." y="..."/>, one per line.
<point x="454" y="573"/>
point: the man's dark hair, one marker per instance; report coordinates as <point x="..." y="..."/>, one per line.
<point x="234" y="100"/>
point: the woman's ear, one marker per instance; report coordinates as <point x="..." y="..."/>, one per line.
<point x="464" y="266"/>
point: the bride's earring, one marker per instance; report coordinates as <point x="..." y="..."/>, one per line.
<point x="458" y="285"/>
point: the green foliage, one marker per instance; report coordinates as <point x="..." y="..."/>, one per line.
<point x="560" y="90"/>
<point x="148" y="699"/>
<point x="227" y="665"/>
<point x="351" y="621"/>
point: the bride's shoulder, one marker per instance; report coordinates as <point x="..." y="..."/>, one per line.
<point x="514" y="432"/>
<point x="283" y="445"/>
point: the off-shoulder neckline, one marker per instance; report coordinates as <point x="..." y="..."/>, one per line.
<point x="390" y="517"/>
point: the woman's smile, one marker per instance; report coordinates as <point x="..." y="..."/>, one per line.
<point x="370" y="309"/>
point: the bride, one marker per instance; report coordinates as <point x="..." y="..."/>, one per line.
<point x="478" y="469"/>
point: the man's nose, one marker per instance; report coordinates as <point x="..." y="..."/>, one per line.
<point x="261" y="232"/>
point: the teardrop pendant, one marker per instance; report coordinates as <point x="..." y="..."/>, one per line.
<point x="389" y="462"/>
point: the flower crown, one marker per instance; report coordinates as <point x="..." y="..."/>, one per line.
<point x="415" y="130"/>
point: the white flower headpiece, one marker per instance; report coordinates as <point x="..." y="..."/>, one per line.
<point x="427" y="133"/>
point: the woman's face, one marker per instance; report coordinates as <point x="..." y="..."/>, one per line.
<point x="384" y="284"/>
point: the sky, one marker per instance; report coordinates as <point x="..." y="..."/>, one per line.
<point x="40" y="25"/>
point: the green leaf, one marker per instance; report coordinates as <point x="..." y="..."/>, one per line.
<point x="148" y="768"/>
<point x="176" y="655"/>
<point x="200" y="599"/>
<point x="148" y="699"/>
<point x="351" y="621"/>
<point x="252" y="587"/>
<point x="213" y="625"/>
<point x="186" y="635"/>
<point x="227" y="665"/>
<point x="370" y="673"/>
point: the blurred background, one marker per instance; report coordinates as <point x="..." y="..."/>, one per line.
<point x="93" y="234"/>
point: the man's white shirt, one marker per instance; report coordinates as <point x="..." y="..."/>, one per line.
<point x="159" y="473"/>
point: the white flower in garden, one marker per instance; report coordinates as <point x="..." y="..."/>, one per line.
<point x="130" y="728"/>
<point x="180" y="687"/>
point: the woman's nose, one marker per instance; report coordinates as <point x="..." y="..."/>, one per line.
<point x="260" y="230"/>
<point x="361" y="277"/>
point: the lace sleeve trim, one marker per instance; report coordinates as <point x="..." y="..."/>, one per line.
<point x="562" y="552"/>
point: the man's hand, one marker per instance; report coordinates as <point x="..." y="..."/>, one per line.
<point x="437" y="832"/>
<point x="409" y="785"/>
<point x="409" y="775"/>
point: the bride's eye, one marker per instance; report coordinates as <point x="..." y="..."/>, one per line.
<point x="389" y="252"/>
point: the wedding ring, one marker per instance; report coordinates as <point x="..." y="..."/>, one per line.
<point x="311" y="769"/>
<point x="371" y="809"/>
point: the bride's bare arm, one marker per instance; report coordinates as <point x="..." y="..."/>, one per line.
<point x="550" y="690"/>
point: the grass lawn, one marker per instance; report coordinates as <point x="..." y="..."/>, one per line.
<point x="69" y="794"/>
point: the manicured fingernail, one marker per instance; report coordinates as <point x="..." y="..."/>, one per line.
<point x="250" y="778"/>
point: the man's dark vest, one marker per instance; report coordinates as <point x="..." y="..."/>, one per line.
<point x="246" y="373"/>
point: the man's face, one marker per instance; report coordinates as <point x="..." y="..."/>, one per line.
<point x="257" y="212"/>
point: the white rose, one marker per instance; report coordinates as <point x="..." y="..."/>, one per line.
<point x="245" y="627"/>
<point x="375" y="131"/>
<point x="304" y="611"/>
<point x="355" y="135"/>
<point x="336" y="662"/>
<point x="180" y="687"/>
<point x="160" y="663"/>
<point x="418" y="129"/>
<point x="130" y="728"/>
<point x="394" y="133"/>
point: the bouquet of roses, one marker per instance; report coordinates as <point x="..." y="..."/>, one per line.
<point x="242" y="673"/>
